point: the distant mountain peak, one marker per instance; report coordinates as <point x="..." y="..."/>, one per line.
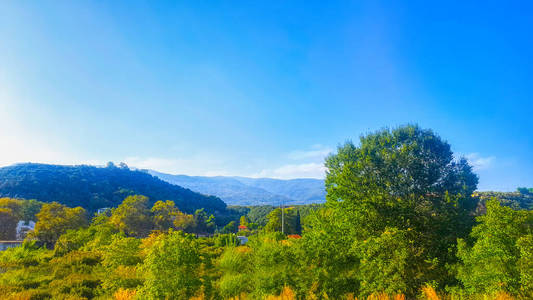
<point x="237" y="190"/>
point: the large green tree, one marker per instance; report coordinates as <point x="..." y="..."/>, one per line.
<point x="55" y="219"/>
<point x="164" y="214"/>
<point x="10" y="214"/>
<point x="404" y="179"/>
<point x="14" y="210"/>
<point x="133" y="217"/>
<point x="500" y="257"/>
<point x="8" y="224"/>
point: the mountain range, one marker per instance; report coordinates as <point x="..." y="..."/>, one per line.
<point x="252" y="191"/>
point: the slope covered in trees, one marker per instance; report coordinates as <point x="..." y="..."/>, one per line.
<point x="95" y="187"/>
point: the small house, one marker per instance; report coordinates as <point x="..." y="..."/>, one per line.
<point x="23" y="227"/>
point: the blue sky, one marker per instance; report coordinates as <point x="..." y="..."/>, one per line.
<point x="263" y="89"/>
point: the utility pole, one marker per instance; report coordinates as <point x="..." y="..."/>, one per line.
<point x="282" y="218"/>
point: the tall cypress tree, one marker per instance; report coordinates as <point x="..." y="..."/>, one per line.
<point x="298" y="223"/>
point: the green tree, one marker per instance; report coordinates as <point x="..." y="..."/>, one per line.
<point x="330" y="263"/>
<point x="89" y="238"/>
<point x="231" y="227"/>
<point x="204" y="223"/>
<point x="14" y="210"/>
<point x="498" y="259"/>
<point x="275" y="263"/>
<point x="132" y="216"/>
<point x="525" y="265"/>
<point x="258" y="214"/>
<point x="10" y="214"/>
<point x="164" y="214"/>
<point x="122" y="251"/>
<point x="73" y="240"/>
<point x="243" y="221"/>
<point x="185" y="222"/>
<point x="30" y="209"/>
<point x="390" y="263"/>
<point x="408" y="179"/>
<point x="291" y="221"/>
<point x="8" y="224"/>
<point x="16" y="206"/>
<point x="120" y="259"/>
<point x="172" y="267"/>
<point x="55" y="219"/>
<point x="297" y="223"/>
<point x="236" y="266"/>
<point x="524" y="190"/>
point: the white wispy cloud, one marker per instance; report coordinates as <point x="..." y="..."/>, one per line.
<point x="479" y="162"/>
<point x="309" y="164"/>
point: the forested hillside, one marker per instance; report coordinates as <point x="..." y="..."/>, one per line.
<point x="96" y="187"/>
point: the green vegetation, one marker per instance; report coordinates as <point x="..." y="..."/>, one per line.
<point x="13" y="210"/>
<point x="399" y="220"/>
<point x="291" y="221"/>
<point x="258" y="215"/>
<point x="55" y="219"/>
<point x="500" y="256"/>
<point x="93" y="187"/>
<point x="515" y="200"/>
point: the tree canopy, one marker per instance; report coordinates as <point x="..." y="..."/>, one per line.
<point x="55" y="219"/>
<point x="406" y="181"/>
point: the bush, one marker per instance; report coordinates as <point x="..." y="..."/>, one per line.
<point x="172" y="267"/>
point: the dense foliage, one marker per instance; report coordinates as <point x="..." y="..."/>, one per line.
<point x="13" y="210"/>
<point x="402" y="186"/>
<point x="55" y="219"/>
<point x="94" y="187"/>
<point x="400" y="219"/>
<point x="500" y="254"/>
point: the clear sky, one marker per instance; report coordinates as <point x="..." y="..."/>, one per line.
<point x="263" y="88"/>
